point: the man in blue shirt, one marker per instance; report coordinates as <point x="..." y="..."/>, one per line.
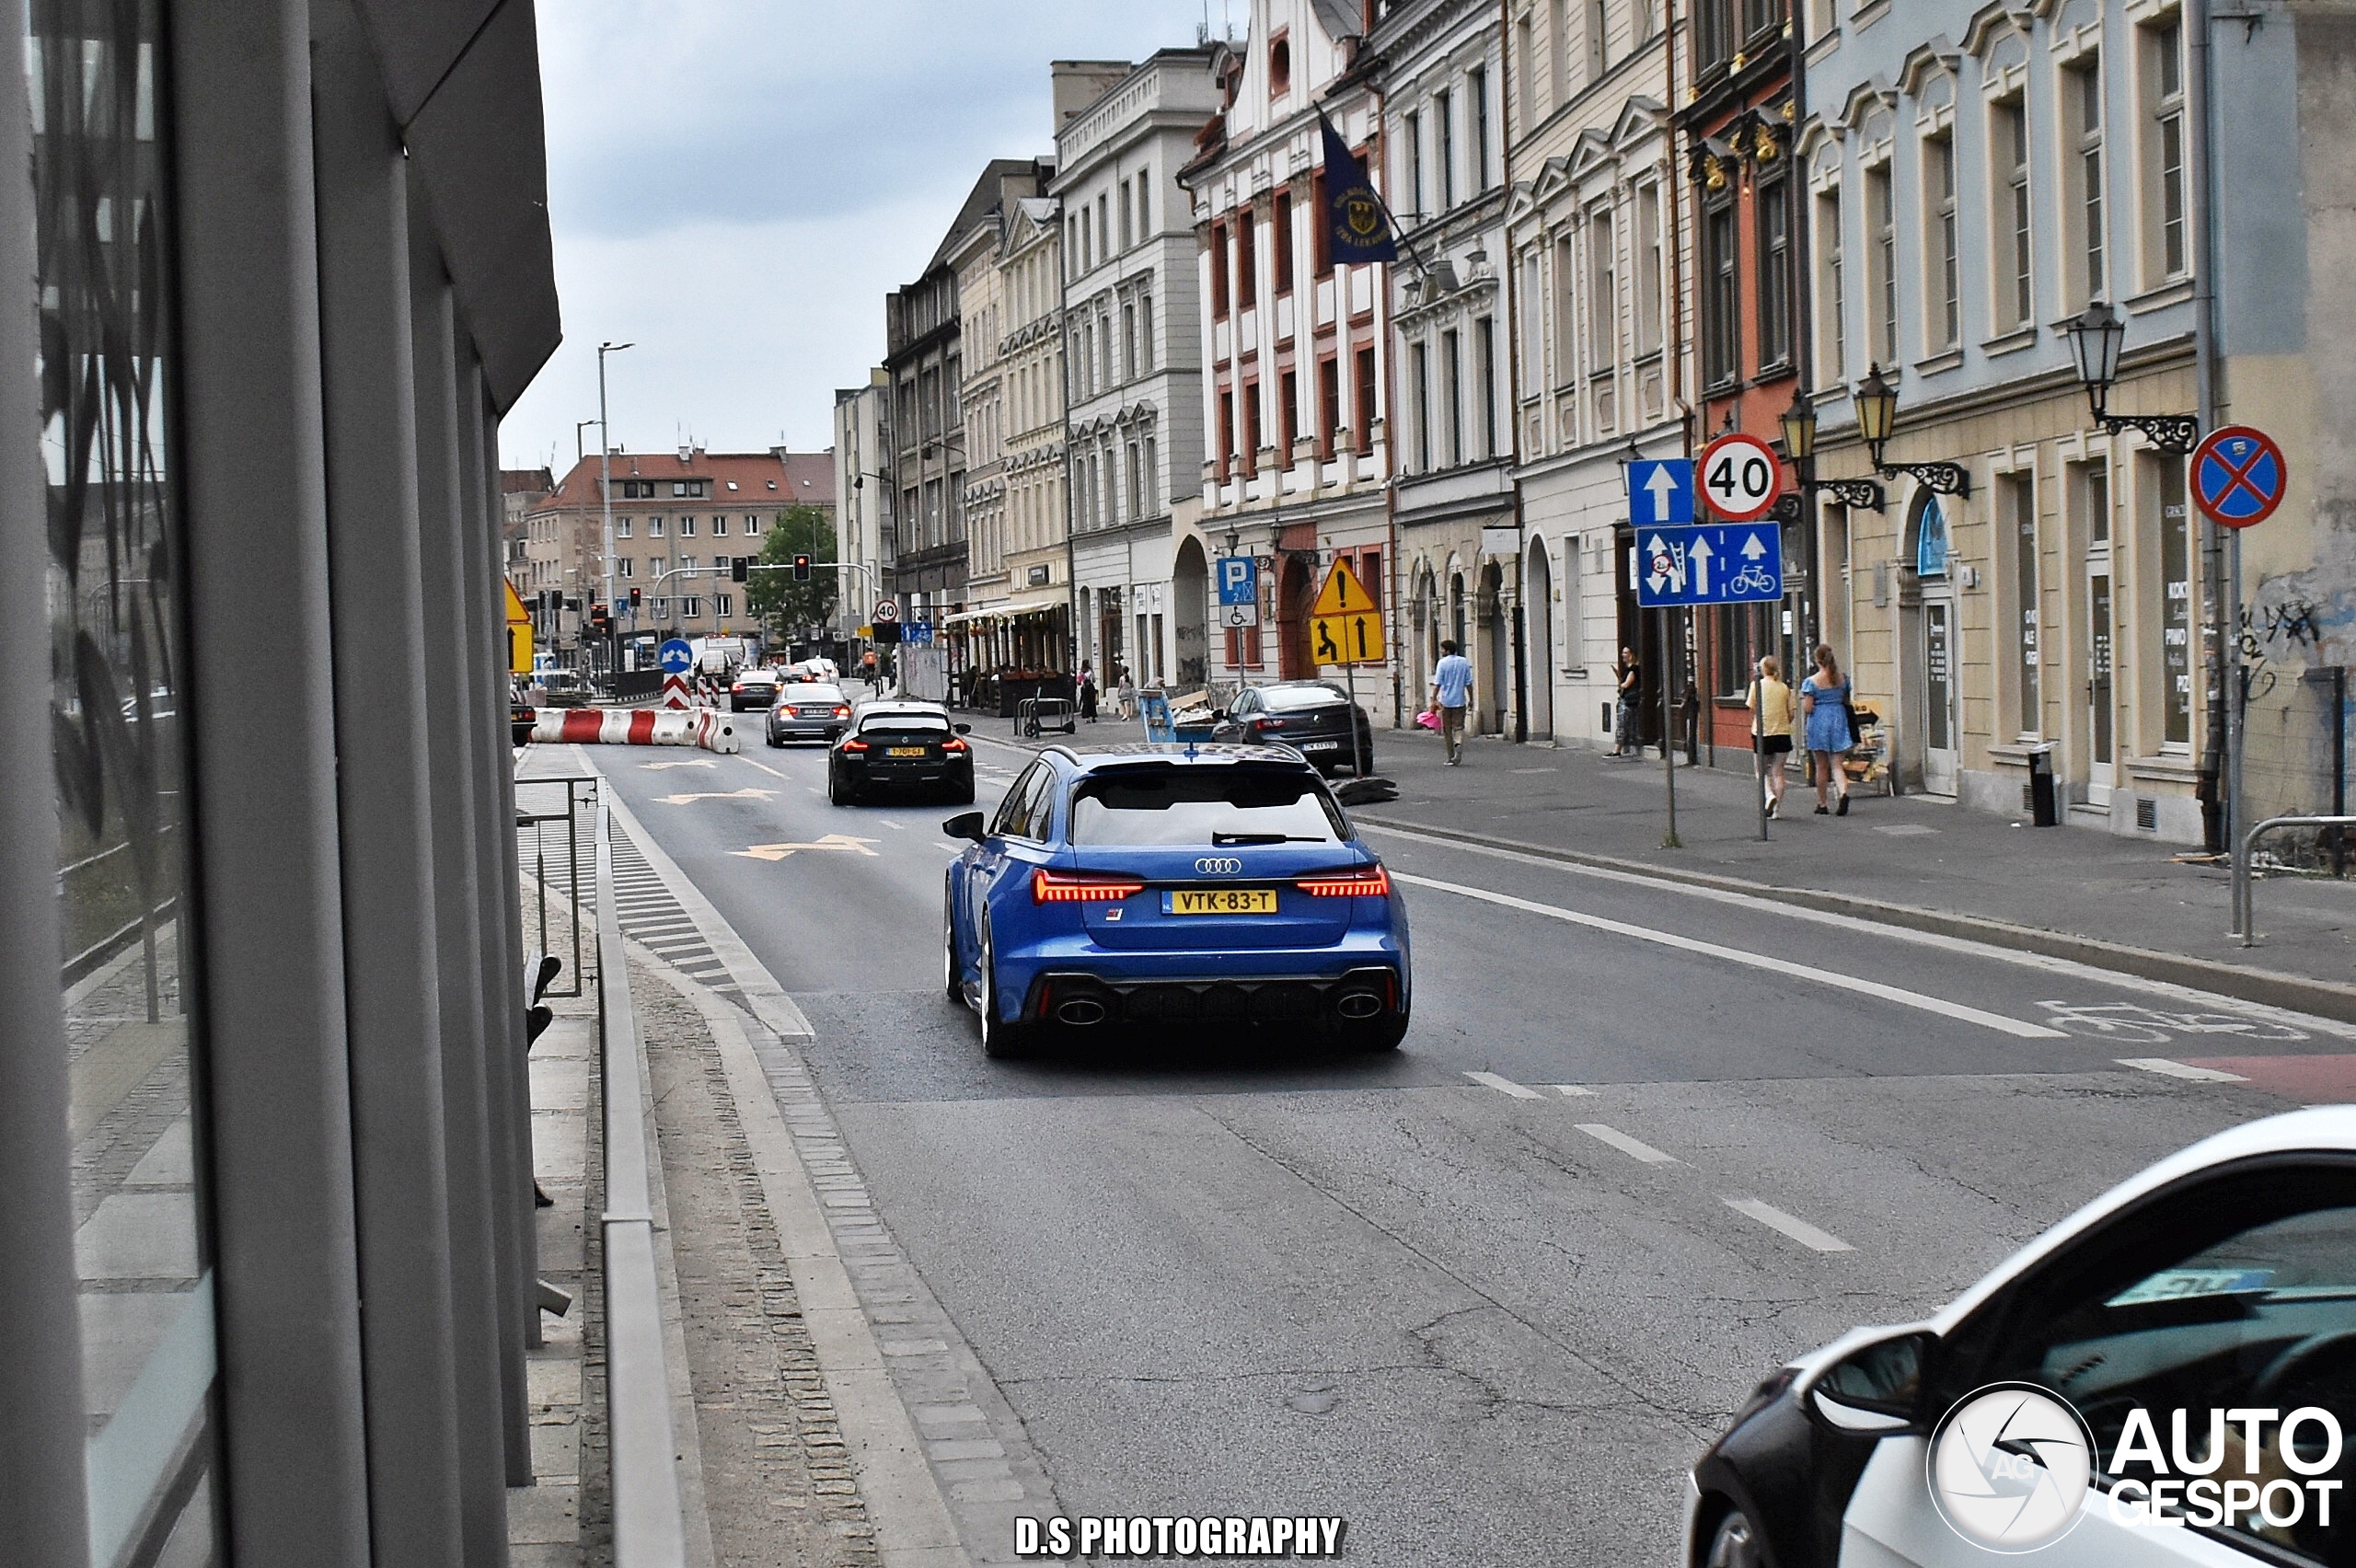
<point x="1452" y="695"/>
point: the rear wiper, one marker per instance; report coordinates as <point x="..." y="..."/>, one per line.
<point x="1222" y="838"/>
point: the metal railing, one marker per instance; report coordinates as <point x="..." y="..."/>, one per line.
<point x="541" y="825"/>
<point x="649" y="1529"/>
<point x="2245" y="913"/>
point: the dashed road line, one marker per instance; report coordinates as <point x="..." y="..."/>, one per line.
<point x="1505" y="1086"/>
<point x="1635" y="1148"/>
<point x="2167" y="1068"/>
<point x="1799" y="1231"/>
<point x="1572" y="1090"/>
<point x="1781" y="967"/>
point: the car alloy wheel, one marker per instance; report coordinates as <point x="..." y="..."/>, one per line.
<point x="1735" y="1544"/>
<point x="1001" y="1039"/>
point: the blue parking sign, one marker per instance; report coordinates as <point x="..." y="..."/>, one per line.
<point x="1239" y="579"/>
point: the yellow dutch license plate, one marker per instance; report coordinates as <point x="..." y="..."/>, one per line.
<point x="902" y="751"/>
<point x="1219" y="901"/>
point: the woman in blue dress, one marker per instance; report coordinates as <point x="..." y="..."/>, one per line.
<point x="1824" y="698"/>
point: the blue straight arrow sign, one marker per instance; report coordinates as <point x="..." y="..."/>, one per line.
<point x="1661" y="492"/>
<point x="1725" y="563"/>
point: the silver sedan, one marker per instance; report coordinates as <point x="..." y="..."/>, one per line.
<point x="808" y="712"/>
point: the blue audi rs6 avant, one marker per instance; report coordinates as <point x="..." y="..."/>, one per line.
<point x="1215" y="887"/>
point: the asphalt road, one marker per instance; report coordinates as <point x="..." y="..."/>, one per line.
<point x="1484" y="1298"/>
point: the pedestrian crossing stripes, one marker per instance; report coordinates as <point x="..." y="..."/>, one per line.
<point x="643" y="905"/>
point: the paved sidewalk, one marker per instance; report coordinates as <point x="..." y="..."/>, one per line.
<point x="2077" y="893"/>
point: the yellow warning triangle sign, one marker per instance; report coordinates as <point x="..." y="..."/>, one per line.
<point x="516" y="614"/>
<point x="1343" y="594"/>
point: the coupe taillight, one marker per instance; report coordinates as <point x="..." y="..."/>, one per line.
<point x="854" y="745"/>
<point x="1061" y="887"/>
<point x="953" y="745"/>
<point x="1366" y="881"/>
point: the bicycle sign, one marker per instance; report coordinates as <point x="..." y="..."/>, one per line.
<point x="2238" y="476"/>
<point x="1715" y="564"/>
<point x="1739" y="477"/>
<point x="2127" y="1024"/>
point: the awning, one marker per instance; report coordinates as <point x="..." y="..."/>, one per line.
<point x="998" y="612"/>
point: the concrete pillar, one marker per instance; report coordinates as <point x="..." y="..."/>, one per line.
<point x="382" y="722"/>
<point x="252" y="474"/>
<point x="479" y="1284"/>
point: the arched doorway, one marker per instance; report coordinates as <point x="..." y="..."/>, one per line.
<point x="1296" y="589"/>
<point x="1930" y="649"/>
<point x="1190" y="592"/>
<point x="1493" y="669"/>
<point x="1537" y="622"/>
<point x="1423" y="643"/>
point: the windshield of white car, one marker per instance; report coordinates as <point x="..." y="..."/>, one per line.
<point x="1205" y="805"/>
<point x="811" y="693"/>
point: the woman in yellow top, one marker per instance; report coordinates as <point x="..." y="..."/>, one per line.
<point x="1770" y="727"/>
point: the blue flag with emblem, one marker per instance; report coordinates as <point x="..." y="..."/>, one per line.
<point x="1357" y="225"/>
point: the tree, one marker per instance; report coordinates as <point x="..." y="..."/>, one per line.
<point x="784" y="605"/>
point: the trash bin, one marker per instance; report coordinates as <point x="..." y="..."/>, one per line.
<point x="2040" y="789"/>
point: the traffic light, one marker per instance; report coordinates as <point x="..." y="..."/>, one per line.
<point x="802" y="569"/>
<point x="597" y="619"/>
<point x="739" y="568"/>
<point x="634" y="600"/>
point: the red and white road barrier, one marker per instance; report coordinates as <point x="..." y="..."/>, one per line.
<point x="675" y="692"/>
<point x="705" y="726"/>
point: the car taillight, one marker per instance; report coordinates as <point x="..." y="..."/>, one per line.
<point x="1057" y="887"/>
<point x="738" y="690"/>
<point x="1267" y="724"/>
<point x="854" y="745"/>
<point x="842" y="713"/>
<point x="1367" y="882"/>
<point x="953" y="745"/>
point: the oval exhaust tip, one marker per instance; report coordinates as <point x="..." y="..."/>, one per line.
<point x="1080" y="1011"/>
<point x="1359" y="1005"/>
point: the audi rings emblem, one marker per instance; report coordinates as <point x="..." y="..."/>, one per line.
<point x="1219" y="865"/>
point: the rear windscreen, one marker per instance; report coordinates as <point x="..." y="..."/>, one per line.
<point x="1288" y="699"/>
<point x="924" y="726"/>
<point x="1203" y="806"/>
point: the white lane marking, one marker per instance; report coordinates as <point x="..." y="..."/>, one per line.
<point x="814" y="789"/>
<point x="1635" y="1148"/>
<point x="887" y="821"/>
<point x="2167" y="1068"/>
<point x="943" y="843"/>
<point x="2115" y="979"/>
<point x="1505" y="1086"/>
<point x="1573" y="1090"/>
<point x="1799" y="1231"/>
<point x="1782" y="967"/>
<point x="764" y="766"/>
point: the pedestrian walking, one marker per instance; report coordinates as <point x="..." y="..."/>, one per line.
<point x="1629" y="675"/>
<point x="1832" y="730"/>
<point x="1452" y="695"/>
<point x="1088" y="694"/>
<point x="1128" y="692"/>
<point x="1770" y="727"/>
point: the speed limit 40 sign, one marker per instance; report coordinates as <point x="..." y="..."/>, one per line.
<point x="1739" y="477"/>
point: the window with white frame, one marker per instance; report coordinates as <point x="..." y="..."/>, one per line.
<point x="1942" y="259"/>
<point x="1832" y="292"/>
<point x="1533" y="337"/>
<point x="2164" y="196"/>
<point x="2082" y="121"/>
<point x="720" y="523"/>
<point x="1598" y="31"/>
<point x="1647" y="244"/>
<point x="1484" y="337"/>
<point x="1419" y="362"/>
<point x="1565" y="300"/>
<point x="691" y="607"/>
<point x="659" y="609"/>
<point x="654" y="527"/>
<point x="621" y="528"/>
<point x="1558" y="47"/>
<point x="2011" y="254"/>
<point x="1444" y="147"/>
<point x="1411" y="149"/>
<point x="1882" y="266"/>
<point x="1602" y="293"/>
<point x="1772" y="216"/>
<point x="724" y="604"/>
<point x="1525" y="53"/>
<point x="1721" y="294"/>
<point x="1451" y="353"/>
<point x="1476" y="111"/>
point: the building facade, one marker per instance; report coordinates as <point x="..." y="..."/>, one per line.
<point x="1032" y="628"/>
<point x="1974" y="182"/>
<point x="1600" y="255"/>
<point x="863" y="483"/>
<point x="262" y="1024"/>
<point x="1296" y="353"/>
<point x="1440" y="68"/>
<point x="1131" y="348"/>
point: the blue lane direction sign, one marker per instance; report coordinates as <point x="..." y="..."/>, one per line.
<point x="676" y="657"/>
<point x="916" y="631"/>
<point x="1239" y="579"/>
<point x="1722" y="563"/>
<point x="1661" y="492"/>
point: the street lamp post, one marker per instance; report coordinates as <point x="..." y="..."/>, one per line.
<point x="1876" y="402"/>
<point x="606" y="496"/>
<point x="2097" y="334"/>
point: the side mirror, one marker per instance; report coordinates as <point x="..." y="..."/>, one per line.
<point x="966" y="825"/>
<point x="1875" y="1390"/>
<point x="1218" y="715"/>
<point x="963" y="729"/>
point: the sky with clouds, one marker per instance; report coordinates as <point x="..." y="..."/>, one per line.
<point x="735" y="185"/>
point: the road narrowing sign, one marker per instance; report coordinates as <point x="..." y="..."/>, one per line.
<point x="1741" y="477"/>
<point x="2238" y="477"/>
<point x="1344" y="628"/>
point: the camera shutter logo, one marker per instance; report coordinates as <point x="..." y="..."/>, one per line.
<point x="1219" y="865"/>
<point x="2010" y="1467"/>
